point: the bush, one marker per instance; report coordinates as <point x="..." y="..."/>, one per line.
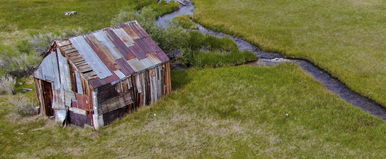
<point x="15" y="63"/>
<point x="24" y="105"/>
<point x="39" y="43"/>
<point x="219" y="59"/>
<point x="146" y="15"/>
<point x="21" y="60"/>
<point x="185" y="58"/>
<point x="198" y="41"/>
<point x="162" y="8"/>
<point x="21" y="65"/>
<point x="212" y="51"/>
<point x="170" y="39"/>
<point x="222" y="44"/>
<point x="7" y="85"/>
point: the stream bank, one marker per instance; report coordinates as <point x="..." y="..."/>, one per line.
<point x="267" y="58"/>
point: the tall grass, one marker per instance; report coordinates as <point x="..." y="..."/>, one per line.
<point x="7" y="85"/>
<point x="231" y="112"/>
<point x="345" y="37"/>
<point x="23" y="105"/>
<point x="185" y="22"/>
<point x="220" y="59"/>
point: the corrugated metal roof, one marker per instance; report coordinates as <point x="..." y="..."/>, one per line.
<point x="107" y="55"/>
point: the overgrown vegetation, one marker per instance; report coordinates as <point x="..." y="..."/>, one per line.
<point x="219" y="59"/>
<point x="7" y="85"/>
<point x="22" y="59"/>
<point x="229" y="112"/>
<point x="184" y="45"/>
<point x="185" y="22"/>
<point x="48" y="15"/>
<point x="345" y="37"/>
<point x="24" y="105"/>
<point x="20" y="55"/>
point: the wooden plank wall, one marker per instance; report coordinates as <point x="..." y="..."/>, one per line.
<point x="140" y="89"/>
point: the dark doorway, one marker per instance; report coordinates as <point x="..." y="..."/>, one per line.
<point x="47" y="97"/>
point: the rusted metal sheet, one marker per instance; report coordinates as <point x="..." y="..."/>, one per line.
<point x="120" y="74"/>
<point x="113" y="104"/>
<point x="125" y="67"/>
<point x="82" y="102"/>
<point x="120" y="45"/>
<point x="115" y="114"/>
<point x="102" y="38"/>
<point x="123" y="36"/>
<point x="137" y="65"/>
<point x="48" y="70"/>
<point x="114" y="51"/>
<point x="78" y="119"/>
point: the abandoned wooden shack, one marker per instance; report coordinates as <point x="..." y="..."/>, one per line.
<point x="95" y="78"/>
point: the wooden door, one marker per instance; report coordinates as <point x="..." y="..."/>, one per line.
<point x="47" y="97"/>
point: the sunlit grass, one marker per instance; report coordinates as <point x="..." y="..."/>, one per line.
<point x="345" y="37"/>
<point x="239" y="112"/>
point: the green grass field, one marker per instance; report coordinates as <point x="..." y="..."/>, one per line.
<point x="49" y="14"/>
<point x="345" y="37"/>
<point x="242" y="112"/>
<point x="228" y="112"/>
<point x="20" y="18"/>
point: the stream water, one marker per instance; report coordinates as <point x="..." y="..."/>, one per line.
<point x="268" y="58"/>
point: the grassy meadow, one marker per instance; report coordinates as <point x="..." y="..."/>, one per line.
<point x="345" y="37"/>
<point x="20" y="18"/>
<point x="230" y="112"/>
<point x="227" y="112"/>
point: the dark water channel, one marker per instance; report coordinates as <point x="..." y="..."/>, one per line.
<point x="268" y="59"/>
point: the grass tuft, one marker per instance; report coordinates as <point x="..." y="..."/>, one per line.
<point x="185" y="22"/>
<point x="220" y="59"/>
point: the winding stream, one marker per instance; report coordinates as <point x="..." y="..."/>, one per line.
<point x="268" y="58"/>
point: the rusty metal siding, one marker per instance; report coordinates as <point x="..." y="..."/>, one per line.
<point x="123" y="36"/>
<point x="48" y="70"/>
<point x="113" y="115"/>
<point x="123" y="49"/>
<point x="102" y="38"/>
<point x="79" y="119"/>
<point x="102" y="52"/>
<point x="120" y="74"/>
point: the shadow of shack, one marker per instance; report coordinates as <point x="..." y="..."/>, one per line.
<point x="95" y="78"/>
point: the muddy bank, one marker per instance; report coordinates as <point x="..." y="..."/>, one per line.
<point x="269" y="59"/>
